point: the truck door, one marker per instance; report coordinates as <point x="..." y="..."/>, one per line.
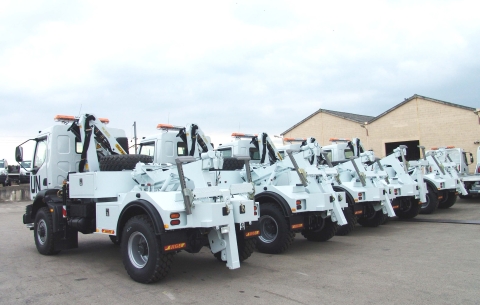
<point x="38" y="177"/>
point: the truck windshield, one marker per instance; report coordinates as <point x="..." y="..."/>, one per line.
<point x="147" y="149"/>
<point x="26" y="164"/>
<point x="348" y="153"/>
<point x="2" y="164"/>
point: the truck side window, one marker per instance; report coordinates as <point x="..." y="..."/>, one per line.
<point x="226" y="152"/>
<point x="348" y="153"/>
<point x="40" y="153"/>
<point x="147" y="149"/>
<point x="181" y="149"/>
<point x="254" y="154"/>
<point x="78" y="146"/>
<point x="329" y="154"/>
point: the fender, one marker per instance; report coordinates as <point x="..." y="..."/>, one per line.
<point x="40" y="201"/>
<point x="269" y="196"/>
<point x="138" y="207"/>
<point x="350" y="201"/>
<point x="432" y="185"/>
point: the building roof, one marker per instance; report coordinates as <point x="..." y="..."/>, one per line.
<point x="358" y="118"/>
<point x="424" y="98"/>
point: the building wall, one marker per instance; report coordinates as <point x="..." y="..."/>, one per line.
<point x="324" y="126"/>
<point x="433" y="124"/>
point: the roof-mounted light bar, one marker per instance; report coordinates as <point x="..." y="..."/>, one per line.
<point x="450" y="146"/>
<point x="434" y="148"/>
<point x="339" y="140"/>
<point x="169" y="127"/>
<point x="71" y="118"/>
<point x="64" y="118"/>
<point x="243" y="135"/>
<point x="294" y="139"/>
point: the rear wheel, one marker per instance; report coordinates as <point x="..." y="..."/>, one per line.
<point x="431" y="204"/>
<point x="275" y="234"/>
<point x="449" y="199"/>
<point x="141" y="250"/>
<point x="323" y="233"/>
<point x="43" y="232"/>
<point x="372" y="218"/>
<point x="409" y="207"/>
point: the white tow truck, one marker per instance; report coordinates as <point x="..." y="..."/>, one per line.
<point x="294" y="196"/>
<point x="287" y="204"/>
<point x="371" y="193"/>
<point x="84" y="180"/>
<point x="462" y="159"/>
<point x="441" y="177"/>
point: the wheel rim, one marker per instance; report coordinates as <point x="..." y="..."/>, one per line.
<point x="42" y="231"/>
<point x="426" y="203"/>
<point x="268" y="229"/>
<point x="138" y="250"/>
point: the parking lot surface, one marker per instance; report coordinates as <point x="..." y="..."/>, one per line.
<point x="401" y="262"/>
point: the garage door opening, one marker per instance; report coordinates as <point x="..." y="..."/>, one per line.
<point x="413" y="152"/>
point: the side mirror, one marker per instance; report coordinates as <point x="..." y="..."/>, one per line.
<point x="19" y="154"/>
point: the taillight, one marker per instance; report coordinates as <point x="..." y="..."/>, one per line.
<point x="478" y="169"/>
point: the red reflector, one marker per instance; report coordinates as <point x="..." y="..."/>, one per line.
<point x="252" y="233"/>
<point x="174" y="215"/>
<point x="175" y="247"/>
<point x="395" y="206"/>
<point x="108" y="231"/>
<point x="298" y="225"/>
<point x="175" y="222"/>
<point x="64" y="211"/>
<point x="358" y="212"/>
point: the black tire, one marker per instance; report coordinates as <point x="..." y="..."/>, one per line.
<point x="326" y="232"/>
<point x="449" y="199"/>
<point x="409" y="207"/>
<point x="122" y="162"/>
<point x="245" y="247"/>
<point x="275" y="233"/>
<point x="431" y="204"/>
<point x="142" y="254"/>
<point x="114" y="239"/>
<point x="43" y="232"/>
<point x="372" y="218"/>
<point x="351" y="222"/>
<point x="230" y="164"/>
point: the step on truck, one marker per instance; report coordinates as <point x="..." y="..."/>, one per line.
<point x="84" y="180"/>
<point x="294" y="197"/>
<point x="370" y="192"/>
<point x="443" y="182"/>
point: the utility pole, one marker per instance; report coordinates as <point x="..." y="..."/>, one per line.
<point x="135" y="135"/>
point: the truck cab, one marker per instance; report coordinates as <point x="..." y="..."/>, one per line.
<point x="4" y="173"/>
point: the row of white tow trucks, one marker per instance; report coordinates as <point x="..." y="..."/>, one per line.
<point x="180" y="194"/>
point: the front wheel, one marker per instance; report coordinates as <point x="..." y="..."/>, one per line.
<point x="449" y="199"/>
<point x="351" y="222"/>
<point x="275" y="234"/>
<point x="429" y="206"/>
<point x="43" y="232"/>
<point x="245" y="247"/>
<point x="324" y="233"/>
<point x="141" y="251"/>
<point x="409" y="208"/>
<point x="372" y="218"/>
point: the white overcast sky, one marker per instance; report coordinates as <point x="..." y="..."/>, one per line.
<point x="228" y="66"/>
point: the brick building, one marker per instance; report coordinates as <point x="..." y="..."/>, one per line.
<point x="418" y="120"/>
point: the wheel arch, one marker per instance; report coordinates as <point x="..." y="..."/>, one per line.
<point x="276" y="198"/>
<point x="349" y="196"/>
<point x="139" y="207"/>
